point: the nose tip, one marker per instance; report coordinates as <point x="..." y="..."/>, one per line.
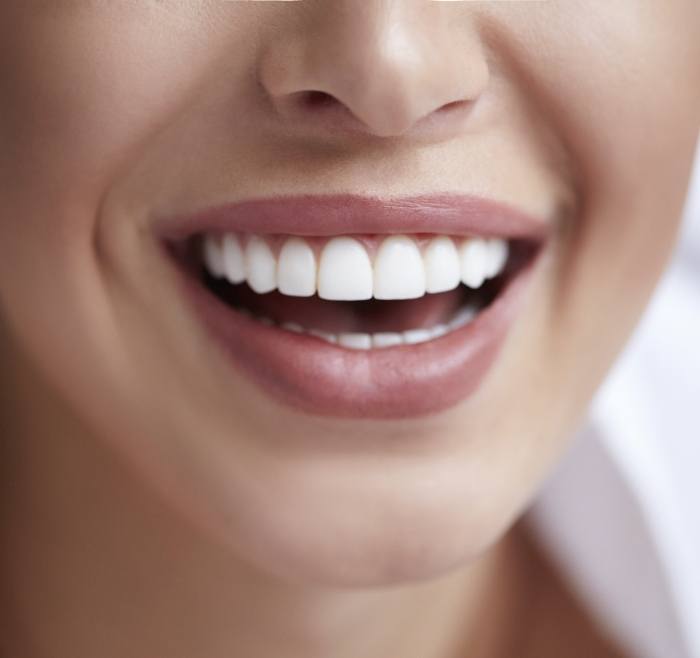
<point x="384" y="74"/>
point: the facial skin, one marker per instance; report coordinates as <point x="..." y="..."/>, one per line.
<point x="117" y="114"/>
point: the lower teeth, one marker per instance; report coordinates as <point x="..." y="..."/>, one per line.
<point x="364" y="341"/>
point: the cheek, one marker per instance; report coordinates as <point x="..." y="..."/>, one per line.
<point x="79" y="102"/>
<point x="624" y="95"/>
<point x="79" y="99"/>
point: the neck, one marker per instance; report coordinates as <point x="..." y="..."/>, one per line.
<point x="93" y="563"/>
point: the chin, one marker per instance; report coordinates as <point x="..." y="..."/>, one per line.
<point x="338" y="528"/>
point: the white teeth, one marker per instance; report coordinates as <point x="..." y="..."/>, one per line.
<point x="296" y="269"/>
<point x="463" y="318"/>
<point x="386" y="339"/>
<point x="399" y="272"/>
<point x="442" y="268"/>
<point x="473" y="256"/>
<point x="497" y="258"/>
<point x="415" y="336"/>
<point x="380" y="340"/>
<point x="355" y="341"/>
<point x="233" y="262"/>
<point x="260" y="266"/>
<point x="213" y="257"/>
<point x="325" y="335"/>
<point x="439" y="330"/>
<point x="294" y="327"/>
<point x="345" y="271"/>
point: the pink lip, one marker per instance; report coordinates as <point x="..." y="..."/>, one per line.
<point x="344" y="214"/>
<point x="324" y="379"/>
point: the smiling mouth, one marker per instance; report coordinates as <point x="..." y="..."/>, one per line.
<point x="379" y="324"/>
<point x="368" y="292"/>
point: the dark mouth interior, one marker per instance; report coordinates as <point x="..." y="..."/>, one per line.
<point x="370" y="316"/>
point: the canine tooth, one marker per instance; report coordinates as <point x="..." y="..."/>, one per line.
<point x="345" y="271"/>
<point x="498" y="256"/>
<point x="463" y="318"/>
<point x="213" y="257"/>
<point x="294" y="327"/>
<point x="414" y="336"/>
<point x="260" y="266"/>
<point x="442" y="268"/>
<point x="473" y="256"/>
<point x="386" y="339"/>
<point x="233" y="262"/>
<point x="399" y="272"/>
<point x="355" y="341"/>
<point x="296" y="269"/>
<point x="268" y="322"/>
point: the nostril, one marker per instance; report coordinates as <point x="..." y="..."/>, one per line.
<point x="454" y="105"/>
<point x="317" y="99"/>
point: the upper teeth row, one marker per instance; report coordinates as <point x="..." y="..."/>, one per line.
<point x="344" y="270"/>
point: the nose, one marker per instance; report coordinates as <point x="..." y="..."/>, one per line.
<point x="387" y="68"/>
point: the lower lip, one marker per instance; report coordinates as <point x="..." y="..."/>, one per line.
<point x="323" y="379"/>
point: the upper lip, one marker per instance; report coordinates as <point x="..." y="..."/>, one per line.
<point x="344" y="214"/>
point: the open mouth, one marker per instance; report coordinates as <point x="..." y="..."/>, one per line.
<point x="369" y="324"/>
<point x="357" y="292"/>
